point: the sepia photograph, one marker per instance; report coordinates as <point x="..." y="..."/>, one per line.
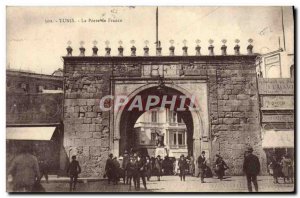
<point x="150" y="99"/>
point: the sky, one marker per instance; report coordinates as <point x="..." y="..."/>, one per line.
<point x="34" y="43"/>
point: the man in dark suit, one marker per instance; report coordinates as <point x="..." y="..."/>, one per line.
<point x="73" y="170"/>
<point x="202" y="165"/>
<point x="182" y="164"/>
<point x="109" y="169"/>
<point x="141" y="172"/>
<point x="251" y="168"/>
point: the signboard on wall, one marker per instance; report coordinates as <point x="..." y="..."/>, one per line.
<point x="277" y="86"/>
<point x="278" y="118"/>
<point x="277" y="102"/>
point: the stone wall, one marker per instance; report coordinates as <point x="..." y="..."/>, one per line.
<point x="86" y="128"/>
<point x="232" y="104"/>
<point x="234" y="109"/>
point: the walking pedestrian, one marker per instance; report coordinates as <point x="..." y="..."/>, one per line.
<point x="131" y="171"/>
<point x="109" y="172"/>
<point x="276" y="168"/>
<point x="148" y="166"/>
<point x="24" y="170"/>
<point x="44" y="169"/>
<point x="182" y="164"/>
<point x="251" y="168"/>
<point x="117" y="172"/>
<point x="221" y="166"/>
<point x="126" y="159"/>
<point x="141" y="172"/>
<point x="287" y="168"/>
<point x="202" y="166"/>
<point x="158" y="167"/>
<point x="73" y="171"/>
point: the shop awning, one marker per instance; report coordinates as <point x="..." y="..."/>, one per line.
<point x="29" y="133"/>
<point x="278" y="139"/>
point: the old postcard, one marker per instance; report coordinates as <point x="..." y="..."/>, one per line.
<point x="150" y="99"/>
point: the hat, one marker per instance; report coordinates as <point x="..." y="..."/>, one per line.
<point x="158" y="156"/>
<point x="182" y="155"/>
<point x="203" y="152"/>
<point x="217" y="155"/>
<point x="111" y="155"/>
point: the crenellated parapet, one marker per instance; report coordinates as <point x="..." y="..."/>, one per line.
<point x="158" y="50"/>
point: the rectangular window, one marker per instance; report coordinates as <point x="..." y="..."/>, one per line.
<point x="180" y="139"/>
<point x="153" y="136"/>
<point x="172" y="117"/>
<point x="154" y="116"/>
<point x="174" y="139"/>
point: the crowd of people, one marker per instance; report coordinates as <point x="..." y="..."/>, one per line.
<point x="27" y="171"/>
<point x="132" y="167"/>
<point x="282" y="167"/>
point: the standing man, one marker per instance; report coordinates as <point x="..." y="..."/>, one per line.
<point x="44" y="169"/>
<point x="287" y="168"/>
<point x="202" y="165"/>
<point x="73" y="171"/>
<point x="24" y="170"/>
<point x="131" y="171"/>
<point x="276" y="168"/>
<point x="109" y="168"/>
<point x="182" y="164"/>
<point x="141" y="172"/>
<point x="148" y="168"/>
<point x="158" y="167"/>
<point x="126" y="159"/>
<point x="116" y="170"/>
<point x="251" y="168"/>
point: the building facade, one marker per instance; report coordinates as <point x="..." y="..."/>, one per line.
<point x="33" y="117"/>
<point x="164" y="128"/>
<point x="29" y="82"/>
<point x="276" y="91"/>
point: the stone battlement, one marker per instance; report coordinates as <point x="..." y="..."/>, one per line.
<point x="158" y="49"/>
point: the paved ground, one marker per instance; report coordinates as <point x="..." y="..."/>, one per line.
<point x="173" y="184"/>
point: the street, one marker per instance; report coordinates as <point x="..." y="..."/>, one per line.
<point x="173" y="184"/>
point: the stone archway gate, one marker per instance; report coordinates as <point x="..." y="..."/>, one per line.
<point x="226" y="87"/>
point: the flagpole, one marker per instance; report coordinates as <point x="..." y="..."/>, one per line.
<point x="157" y="26"/>
<point x="282" y="24"/>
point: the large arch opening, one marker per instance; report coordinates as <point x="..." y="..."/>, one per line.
<point x="127" y="118"/>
